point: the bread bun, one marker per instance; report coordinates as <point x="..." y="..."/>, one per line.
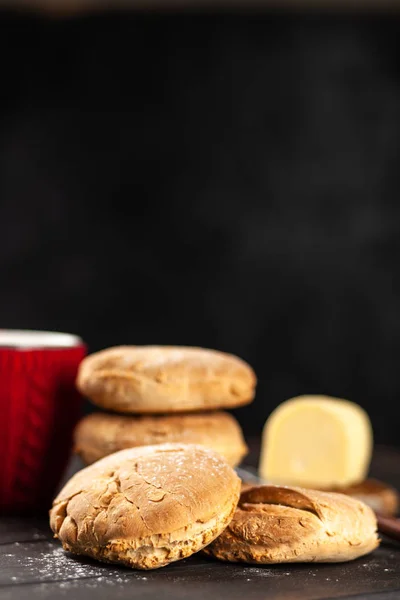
<point x="146" y="507"/>
<point x="100" y="434"/>
<point x="163" y="379"/>
<point x="275" y="524"/>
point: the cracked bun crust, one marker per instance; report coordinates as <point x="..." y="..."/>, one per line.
<point x="275" y="524"/>
<point x="146" y="507"/>
<point x="381" y="497"/>
<point x="163" y="379"/>
<point x="100" y="434"/>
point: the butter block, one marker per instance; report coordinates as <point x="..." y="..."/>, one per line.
<point x="316" y="442"/>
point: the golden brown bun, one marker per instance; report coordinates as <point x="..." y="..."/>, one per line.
<point x="163" y="379"/>
<point x="100" y="434"/>
<point x="382" y="498"/>
<point x="275" y="524"/>
<point x="146" y="507"/>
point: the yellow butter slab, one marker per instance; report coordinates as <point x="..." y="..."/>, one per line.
<point x="316" y="441"/>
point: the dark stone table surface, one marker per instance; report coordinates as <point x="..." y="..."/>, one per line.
<point x="33" y="565"/>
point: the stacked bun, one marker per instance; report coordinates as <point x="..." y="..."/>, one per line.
<point x="163" y="394"/>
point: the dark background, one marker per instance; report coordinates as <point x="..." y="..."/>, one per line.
<point x="228" y="181"/>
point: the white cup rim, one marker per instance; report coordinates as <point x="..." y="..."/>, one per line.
<point x="27" y="339"/>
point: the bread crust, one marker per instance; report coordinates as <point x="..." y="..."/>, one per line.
<point x="100" y="434"/>
<point x="276" y="524"/>
<point x="381" y="497"/>
<point x="146" y="507"/>
<point x="163" y="379"/>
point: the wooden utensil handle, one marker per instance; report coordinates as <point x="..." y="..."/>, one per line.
<point x="389" y="526"/>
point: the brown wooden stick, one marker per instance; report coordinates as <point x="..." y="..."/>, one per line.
<point x="389" y="526"/>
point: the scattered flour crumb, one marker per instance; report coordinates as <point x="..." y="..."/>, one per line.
<point x="57" y="565"/>
<point x="261" y="572"/>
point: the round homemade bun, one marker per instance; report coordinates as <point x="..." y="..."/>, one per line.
<point x="163" y="379"/>
<point x="100" y="434"/>
<point x="275" y="524"/>
<point x="146" y="507"/>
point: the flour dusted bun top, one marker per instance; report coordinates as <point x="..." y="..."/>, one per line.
<point x="146" y="507"/>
